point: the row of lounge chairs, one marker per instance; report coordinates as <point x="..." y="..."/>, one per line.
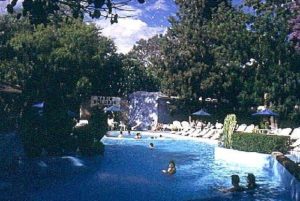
<point x="179" y="126"/>
<point x="209" y="131"/>
<point x="294" y="134"/>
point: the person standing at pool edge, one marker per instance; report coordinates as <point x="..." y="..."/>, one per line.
<point x="171" y="168"/>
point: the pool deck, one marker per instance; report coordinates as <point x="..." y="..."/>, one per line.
<point x="167" y="135"/>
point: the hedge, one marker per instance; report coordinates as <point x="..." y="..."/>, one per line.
<point x="253" y="142"/>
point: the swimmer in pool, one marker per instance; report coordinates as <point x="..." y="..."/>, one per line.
<point x="120" y="135"/>
<point x="251" y="184"/>
<point x="151" y="145"/>
<point x="138" y="136"/>
<point x="235" y="180"/>
<point x="171" y="168"/>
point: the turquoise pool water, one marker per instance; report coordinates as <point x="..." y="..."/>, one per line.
<point x="130" y="171"/>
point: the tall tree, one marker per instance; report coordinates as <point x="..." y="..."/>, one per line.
<point x="186" y="59"/>
<point x="41" y="11"/>
<point x="60" y="65"/>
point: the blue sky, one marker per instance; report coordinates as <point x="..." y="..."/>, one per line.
<point x="151" y="18"/>
<point x="148" y="19"/>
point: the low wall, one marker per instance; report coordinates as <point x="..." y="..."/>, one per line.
<point x="253" y="159"/>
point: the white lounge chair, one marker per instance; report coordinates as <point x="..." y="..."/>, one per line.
<point x="188" y="132"/>
<point x="202" y="133"/>
<point x="241" y="128"/>
<point x="217" y="134"/>
<point x="219" y="126"/>
<point x="195" y="133"/>
<point x="295" y="134"/>
<point x="138" y="123"/>
<point x="177" y="125"/>
<point x="82" y="123"/>
<point x="166" y="127"/>
<point x="209" y="133"/>
<point x="185" y="124"/>
<point x="296" y="144"/>
<point x="285" y="132"/>
<point x="185" y="130"/>
<point x="209" y="125"/>
<point x="199" y="125"/>
<point x="297" y="149"/>
<point x="249" y="129"/>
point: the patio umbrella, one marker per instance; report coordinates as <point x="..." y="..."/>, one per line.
<point x="113" y="109"/>
<point x="266" y="113"/>
<point x="201" y="113"/>
<point x="38" y="105"/>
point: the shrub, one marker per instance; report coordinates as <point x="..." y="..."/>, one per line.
<point x="89" y="136"/>
<point x="48" y="129"/>
<point x="253" y="142"/>
<point x="98" y="148"/>
<point x="88" y="145"/>
<point x="98" y="123"/>
<point x="229" y="125"/>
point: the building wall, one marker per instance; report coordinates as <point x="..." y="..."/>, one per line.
<point x="143" y="109"/>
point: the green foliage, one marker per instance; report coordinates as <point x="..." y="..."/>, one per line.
<point x="88" y="137"/>
<point x="135" y="78"/>
<point x="87" y="143"/>
<point x="98" y="148"/>
<point x="252" y="142"/>
<point x="215" y="50"/>
<point x="85" y="139"/>
<point x="42" y="11"/>
<point x="98" y="123"/>
<point x="229" y="126"/>
<point x="61" y="65"/>
<point x="48" y="130"/>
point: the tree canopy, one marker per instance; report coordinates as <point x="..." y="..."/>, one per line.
<point x="217" y="51"/>
<point x="41" y="11"/>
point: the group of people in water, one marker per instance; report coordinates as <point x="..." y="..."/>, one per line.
<point x="235" y="181"/>
<point x="171" y="167"/>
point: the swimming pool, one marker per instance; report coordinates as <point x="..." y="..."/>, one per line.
<point x="130" y="171"/>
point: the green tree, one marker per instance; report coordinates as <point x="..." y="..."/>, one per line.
<point x="219" y="51"/>
<point x="42" y="11"/>
<point x="185" y="62"/>
<point x="275" y="71"/>
<point x="61" y="65"/>
<point x="135" y="77"/>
